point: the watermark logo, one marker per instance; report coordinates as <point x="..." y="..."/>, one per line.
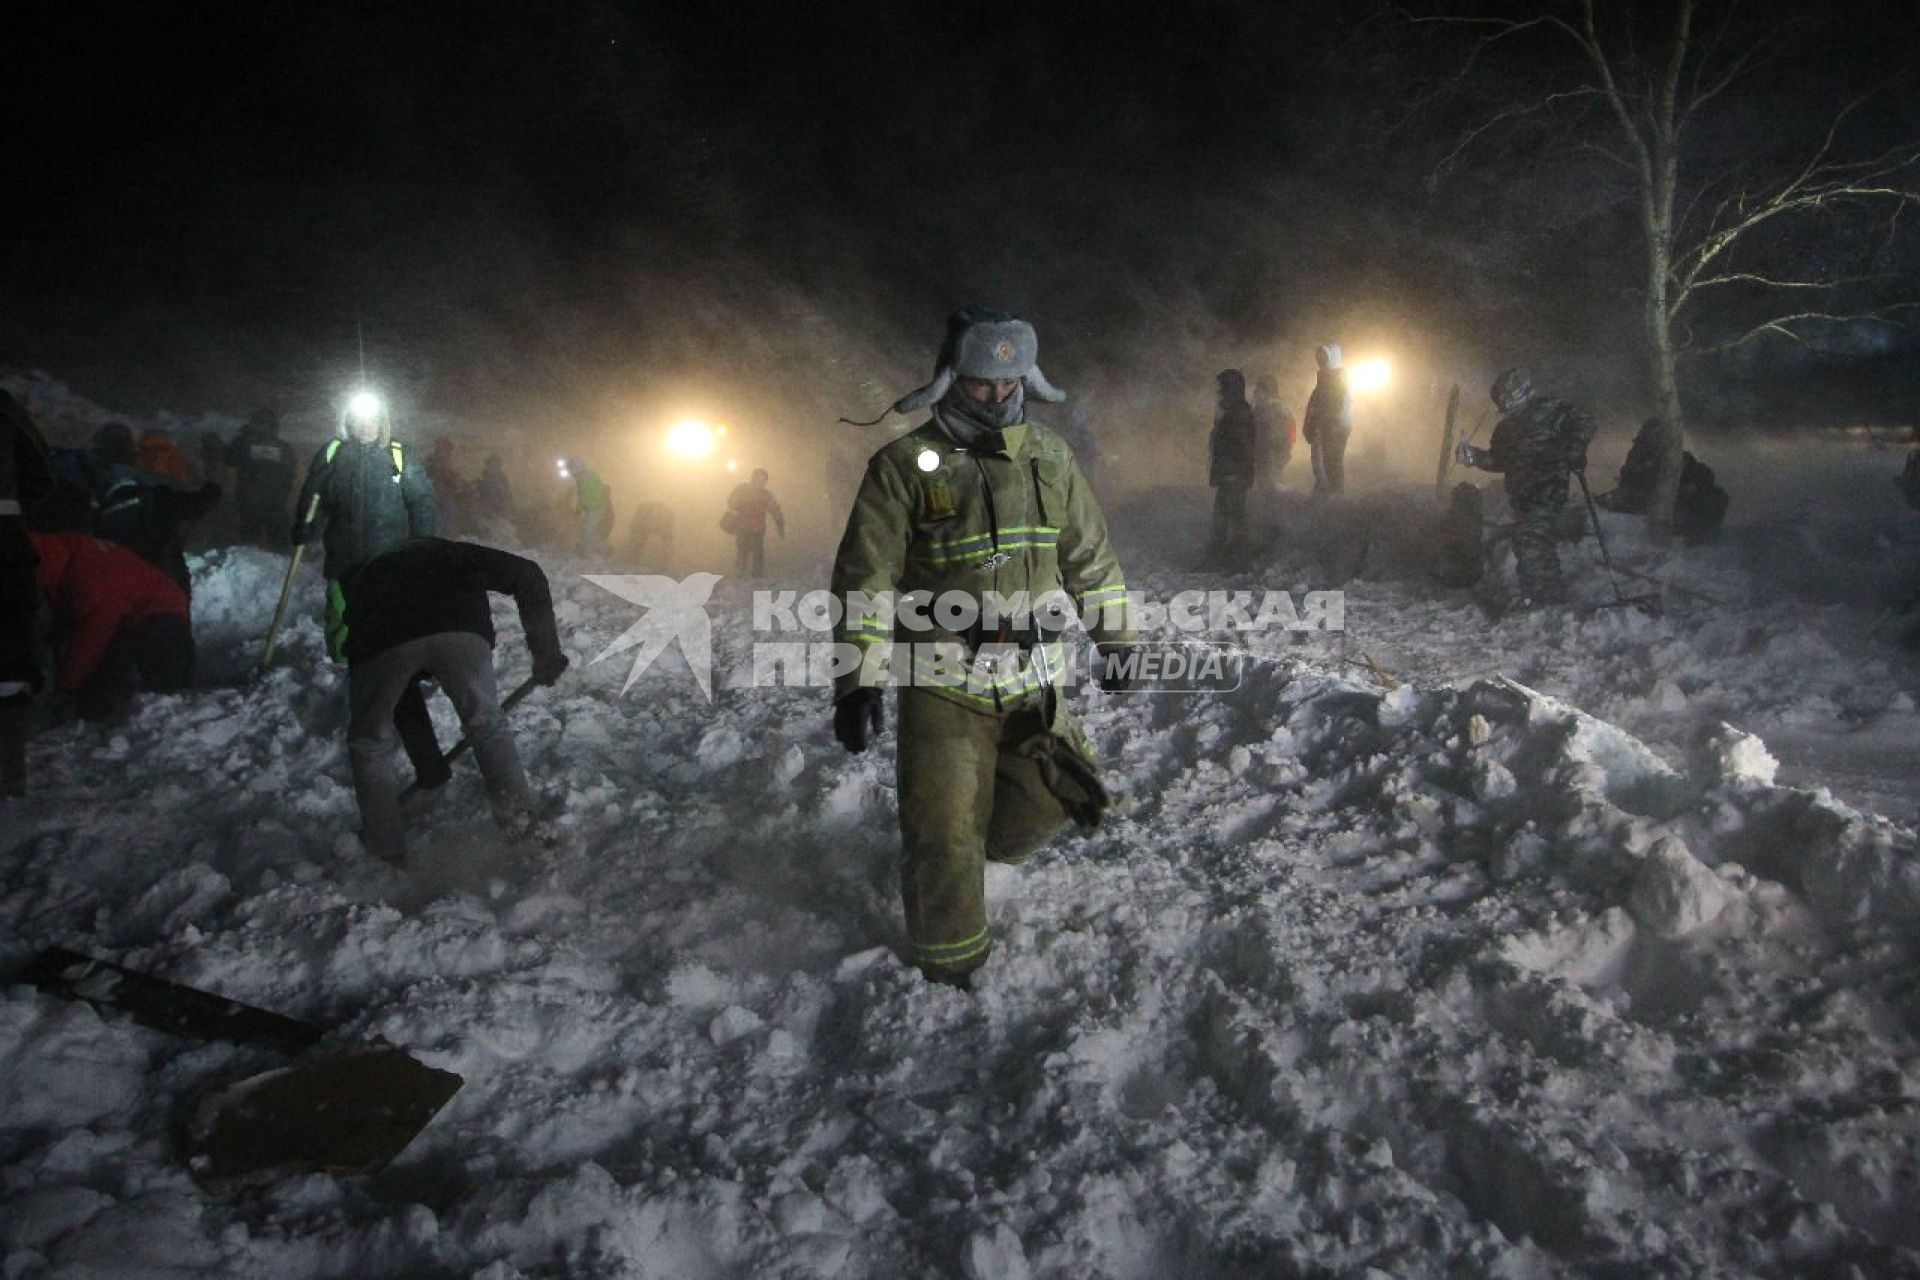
<point x="990" y="647"/>
<point x="676" y="613"/>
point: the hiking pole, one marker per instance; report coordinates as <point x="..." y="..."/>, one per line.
<point x="461" y="747"/>
<point x="286" y="588"/>
<point x="1593" y="513"/>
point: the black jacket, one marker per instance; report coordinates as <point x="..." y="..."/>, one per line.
<point x="367" y="505"/>
<point x="263" y="467"/>
<point x="428" y="586"/>
<point x="147" y="517"/>
<point x="1230" y="448"/>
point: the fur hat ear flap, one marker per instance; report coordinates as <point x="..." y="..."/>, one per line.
<point x="914" y="401"/>
<point x="1040" y="389"/>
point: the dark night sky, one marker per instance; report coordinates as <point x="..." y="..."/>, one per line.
<point x="554" y="204"/>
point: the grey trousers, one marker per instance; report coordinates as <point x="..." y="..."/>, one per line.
<point x="1330" y="462"/>
<point x="463" y="664"/>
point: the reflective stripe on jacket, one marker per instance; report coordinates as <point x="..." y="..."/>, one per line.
<point x="933" y="518"/>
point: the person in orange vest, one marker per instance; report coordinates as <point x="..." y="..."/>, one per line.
<point x="159" y="455"/>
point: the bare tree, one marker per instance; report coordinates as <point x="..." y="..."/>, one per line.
<point x="1633" y="106"/>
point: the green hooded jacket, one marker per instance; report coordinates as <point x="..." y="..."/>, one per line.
<point x="934" y="518"/>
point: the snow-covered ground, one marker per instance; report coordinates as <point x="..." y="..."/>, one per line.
<point x="1451" y="979"/>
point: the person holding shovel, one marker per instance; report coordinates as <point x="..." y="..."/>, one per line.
<point x="365" y="493"/>
<point x="422" y="608"/>
<point x="1537" y="445"/>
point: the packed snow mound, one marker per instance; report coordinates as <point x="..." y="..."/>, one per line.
<point x="1448" y="979"/>
<point x="68" y="418"/>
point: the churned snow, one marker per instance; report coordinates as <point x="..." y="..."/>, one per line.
<point x="1531" y="965"/>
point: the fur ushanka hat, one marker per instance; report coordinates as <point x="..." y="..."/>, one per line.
<point x="983" y="343"/>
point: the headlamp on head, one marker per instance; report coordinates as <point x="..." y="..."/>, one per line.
<point x="364" y="406"/>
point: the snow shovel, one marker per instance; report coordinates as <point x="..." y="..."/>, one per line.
<point x="1647" y="604"/>
<point x="461" y="747"/>
<point x="344" y="1112"/>
<point x="286" y="589"/>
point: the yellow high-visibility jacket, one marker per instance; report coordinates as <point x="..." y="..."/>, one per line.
<point x="933" y="518"/>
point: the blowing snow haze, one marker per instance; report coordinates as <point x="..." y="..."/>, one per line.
<point x="1515" y="876"/>
<point x="543" y="217"/>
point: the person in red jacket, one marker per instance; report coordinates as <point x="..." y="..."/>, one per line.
<point x="120" y="625"/>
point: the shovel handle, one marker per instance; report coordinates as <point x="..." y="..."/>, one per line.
<point x="286" y="589"/>
<point x="461" y="747"/>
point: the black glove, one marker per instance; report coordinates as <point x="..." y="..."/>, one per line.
<point x="858" y="717"/>
<point x="210" y="492"/>
<point x="301" y="531"/>
<point x="1116" y="674"/>
<point x="548" y="667"/>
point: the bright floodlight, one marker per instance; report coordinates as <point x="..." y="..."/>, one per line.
<point x="928" y="460"/>
<point x="690" y="439"/>
<point x="1370" y="375"/>
<point x="364" y="406"/>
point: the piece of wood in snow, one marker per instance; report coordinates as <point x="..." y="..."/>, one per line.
<point x="166" y="1006"/>
<point x="344" y="1114"/>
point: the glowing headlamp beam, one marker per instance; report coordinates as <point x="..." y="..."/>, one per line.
<point x="364" y="406"/>
<point x="1370" y="375"/>
<point x="690" y="439"/>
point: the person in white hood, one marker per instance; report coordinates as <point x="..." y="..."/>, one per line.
<point x="1329" y="422"/>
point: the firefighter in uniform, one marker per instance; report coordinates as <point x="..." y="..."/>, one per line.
<point x="976" y="504"/>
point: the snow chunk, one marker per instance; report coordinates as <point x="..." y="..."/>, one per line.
<point x="791" y="764"/>
<point x="694" y="986"/>
<point x="733" y="1023"/>
<point x="1728" y="757"/>
<point x="995" y="1255"/>
<point x="1674" y="892"/>
<point x="62" y="1067"/>
<point x="721" y="746"/>
<point x="38" y="1218"/>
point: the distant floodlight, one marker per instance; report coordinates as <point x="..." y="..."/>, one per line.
<point x="733" y="464"/>
<point x="1370" y="375"/>
<point x="690" y="439"/>
<point x="364" y="406"/>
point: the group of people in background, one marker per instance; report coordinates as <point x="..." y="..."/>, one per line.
<point x="106" y="527"/>
<point x="1253" y="441"/>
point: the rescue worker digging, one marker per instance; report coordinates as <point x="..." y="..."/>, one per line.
<point x="977" y="500"/>
<point x="422" y="607"/>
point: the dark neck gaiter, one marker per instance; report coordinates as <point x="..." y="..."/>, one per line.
<point x="973" y="425"/>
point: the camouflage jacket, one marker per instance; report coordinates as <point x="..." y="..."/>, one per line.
<point x="932" y="518"/>
<point x="1537" y="446"/>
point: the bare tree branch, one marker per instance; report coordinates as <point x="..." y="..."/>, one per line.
<point x="1783" y="326"/>
<point x="1722" y="240"/>
<point x="1516" y="111"/>
<point x="1768" y="282"/>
